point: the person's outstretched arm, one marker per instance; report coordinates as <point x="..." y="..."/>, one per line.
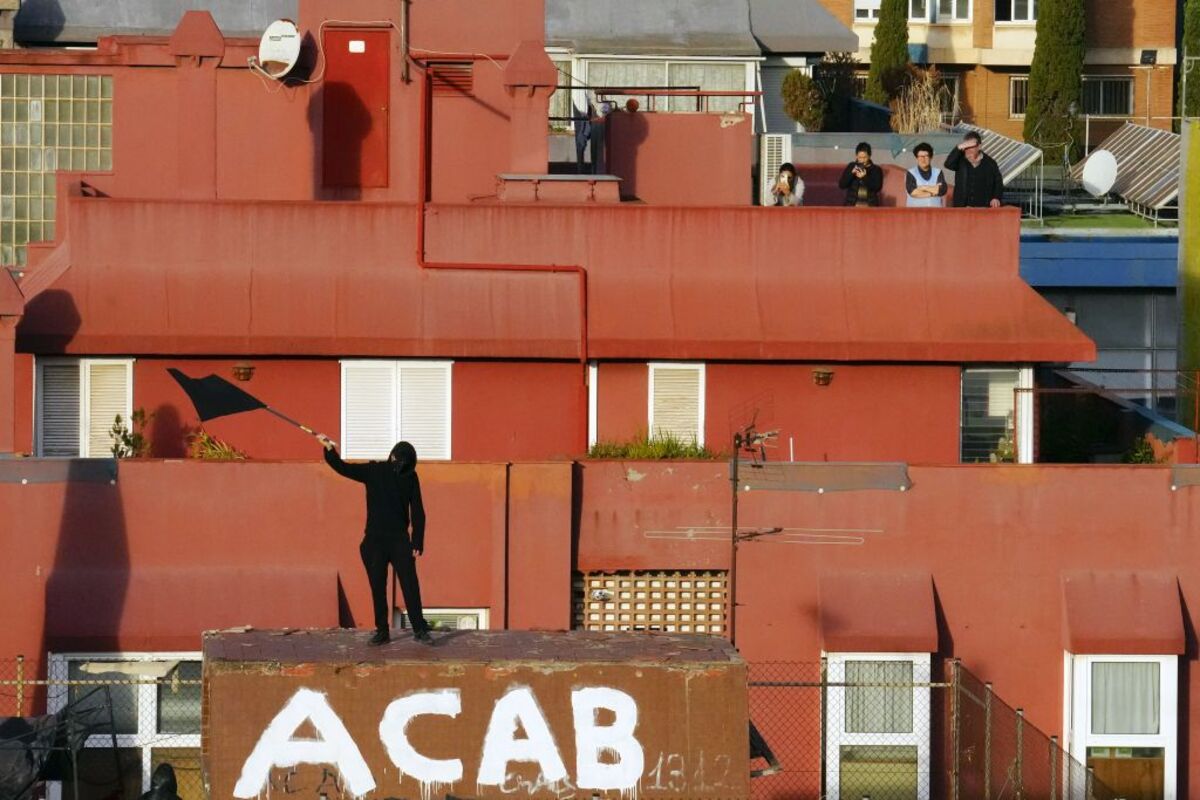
<point x="355" y="472"/>
<point x="416" y="510"/>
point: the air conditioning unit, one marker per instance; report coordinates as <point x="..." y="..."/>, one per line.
<point x="449" y="619"/>
<point x="774" y="150"/>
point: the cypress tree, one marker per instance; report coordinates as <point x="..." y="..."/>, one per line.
<point x="1055" y="80"/>
<point x="889" y="52"/>
<point x="1191" y="48"/>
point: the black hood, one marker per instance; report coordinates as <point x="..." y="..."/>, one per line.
<point x="162" y="782"/>
<point x="404" y="455"/>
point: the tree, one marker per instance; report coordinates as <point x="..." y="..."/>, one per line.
<point x="1054" y="77"/>
<point x="835" y="77"/>
<point x="803" y="100"/>
<point x="889" y="52"/>
<point x="1191" y="49"/>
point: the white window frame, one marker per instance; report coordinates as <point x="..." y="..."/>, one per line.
<point x="482" y="616"/>
<point x="1077" y="712"/>
<point x="1012" y="81"/>
<point x="1023" y="433"/>
<point x="926" y="17"/>
<point x="1014" y="21"/>
<point x="953" y="18"/>
<point x="869" y="11"/>
<point x="593" y="374"/>
<point x="397" y="366"/>
<point x="835" y="719"/>
<point x="147" y="739"/>
<point x="700" y="400"/>
<point x="1127" y="79"/>
<point x="84" y="407"/>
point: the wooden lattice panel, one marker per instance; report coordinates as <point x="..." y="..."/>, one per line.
<point x="677" y="602"/>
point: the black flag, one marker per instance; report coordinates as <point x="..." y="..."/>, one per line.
<point x="214" y="396"/>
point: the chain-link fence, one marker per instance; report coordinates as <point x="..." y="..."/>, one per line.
<point x="135" y="715"/>
<point x="887" y="728"/>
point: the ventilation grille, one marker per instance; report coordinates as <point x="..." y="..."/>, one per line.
<point x="676" y="602"/>
<point x="456" y="79"/>
<point x="774" y="151"/>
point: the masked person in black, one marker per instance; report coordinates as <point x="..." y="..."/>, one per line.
<point x="393" y="501"/>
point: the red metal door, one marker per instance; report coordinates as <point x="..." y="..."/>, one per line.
<point x="354" y="149"/>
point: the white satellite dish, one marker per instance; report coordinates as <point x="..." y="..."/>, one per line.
<point x="279" y="48"/>
<point x="1099" y="173"/>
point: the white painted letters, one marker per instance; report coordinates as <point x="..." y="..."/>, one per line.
<point x="591" y="740"/>
<point x="277" y="747"/>
<point x="444" y="702"/>
<point x="518" y="707"/>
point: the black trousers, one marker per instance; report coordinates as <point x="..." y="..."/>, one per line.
<point x="377" y="553"/>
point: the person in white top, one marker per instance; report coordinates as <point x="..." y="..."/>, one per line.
<point x="925" y="183"/>
<point x="789" y="188"/>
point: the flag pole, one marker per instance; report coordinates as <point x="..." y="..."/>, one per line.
<point x="299" y="425"/>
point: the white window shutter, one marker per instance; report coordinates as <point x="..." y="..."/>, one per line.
<point x="677" y="402"/>
<point x="368" y="409"/>
<point x="425" y="409"/>
<point x="58" y="410"/>
<point x="108" y="394"/>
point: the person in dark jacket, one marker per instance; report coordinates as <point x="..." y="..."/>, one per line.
<point x="162" y="784"/>
<point x="862" y="179"/>
<point x="393" y="502"/>
<point x="977" y="179"/>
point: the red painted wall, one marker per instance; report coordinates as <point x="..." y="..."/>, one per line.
<point x="621" y="400"/>
<point x="658" y="157"/>
<point x="517" y="411"/>
<point x="23" y="408"/>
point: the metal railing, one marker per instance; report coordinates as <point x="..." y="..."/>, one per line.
<point x="843" y="734"/>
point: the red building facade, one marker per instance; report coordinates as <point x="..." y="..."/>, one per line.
<point x="354" y="238"/>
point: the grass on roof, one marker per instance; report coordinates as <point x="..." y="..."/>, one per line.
<point x="1103" y="221"/>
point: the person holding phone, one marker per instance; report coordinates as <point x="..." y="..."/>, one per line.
<point x="862" y="179"/>
<point x="789" y="188"/>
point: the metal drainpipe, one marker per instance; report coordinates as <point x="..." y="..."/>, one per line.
<point x="423" y="187"/>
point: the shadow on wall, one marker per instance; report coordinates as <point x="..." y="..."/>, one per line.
<point x="51" y="321"/>
<point x="338" y="122"/>
<point x="168" y="435"/>
<point x="1191" y="651"/>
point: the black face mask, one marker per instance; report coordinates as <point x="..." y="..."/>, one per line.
<point x="403" y="457"/>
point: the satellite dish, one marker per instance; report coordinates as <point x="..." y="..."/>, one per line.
<point x="1100" y="173"/>
<point x="279" y="48"/>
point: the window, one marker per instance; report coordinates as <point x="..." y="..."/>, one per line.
<point x="918" y="10"/>
<point x="1108" y="97"/>
<point x="447" y="619"/>
<point x="156" y="711"/>
<point x="47" y="123"/>
<point x="866" y="9"/>
<point x="1018" y="96"/>
<point x="1016" y="10"/>
<point x="1122" y="712"/>
<point x="997" y="416"/>
<point x="560" y="102"/>
<point x="676" y="602"/>
<point x="677" y="402"/>
<point x="878" y="714"/>
<point x="384" y="402"/>
<point x="953" y="10"/>
<point x="78" y="401"/>
<point x="709" y="76"/>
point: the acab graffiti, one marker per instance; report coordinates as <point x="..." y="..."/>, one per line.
<point x="607" y="756"/>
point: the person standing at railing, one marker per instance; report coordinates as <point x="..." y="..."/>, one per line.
<point x="977" y="179"/>
<point x="862" y="179"/>
<point x="925" y="183"/>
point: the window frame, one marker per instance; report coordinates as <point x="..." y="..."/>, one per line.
<point x="1023" y="427"/>
<point x="835" y="718"/>
<point x="701" y="378"/>
<point x="1077" y="712"/>
<point x="83" y="364"/>
<point x="1013" y="21"/>
<point x="925" y="18"/>
<point x="147" y="739"/>
<point x="1012" y="81"/>
<point x="1129" y="80"/>
<point x="953" y="18"/>
<point x="871" y="7"/>
<point x="397" y="364"/>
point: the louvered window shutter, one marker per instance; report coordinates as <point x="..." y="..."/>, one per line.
<point x="108" y="394"/>
<point x="58" y="410"/>
<point x="369" y="409"/>
<point x="425" y="409"/>
<point x="676" y="403"/>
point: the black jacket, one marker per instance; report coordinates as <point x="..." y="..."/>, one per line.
<point x="393" y="493"/>
<point x="871" y="184"/>
<point x="975" y="187"/>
